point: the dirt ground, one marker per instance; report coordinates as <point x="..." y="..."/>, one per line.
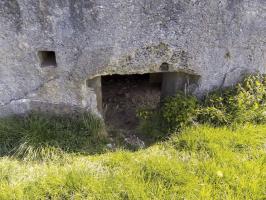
<point x="123" y="96"/>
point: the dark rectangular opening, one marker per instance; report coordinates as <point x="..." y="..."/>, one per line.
<point x="47" y="58"/>
<point x="120" y="97"/>
<point x="123" y="95"/>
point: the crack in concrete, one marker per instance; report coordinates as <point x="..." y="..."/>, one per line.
<point x="226" y="74"/>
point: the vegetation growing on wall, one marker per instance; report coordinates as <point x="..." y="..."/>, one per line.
<point x="243" y="103"/>
<point x="246" y="102"/>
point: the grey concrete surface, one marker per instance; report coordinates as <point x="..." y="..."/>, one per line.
<point x="219" y="41"/>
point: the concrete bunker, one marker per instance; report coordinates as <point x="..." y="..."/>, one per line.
<point x="120" y="96"/>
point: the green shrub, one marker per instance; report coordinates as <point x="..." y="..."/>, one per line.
<point x="150" y="123"/>
<point x="245" y="102"/>
<point x="176" y="112"/>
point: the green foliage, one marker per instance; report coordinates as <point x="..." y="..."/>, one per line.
<point x="178" y="111"/>
<point x="243" y="103"/>
<point x="150" y="123"/>
<point x="200" y="163"/>
<point x="39" y="136"/>
<point x="246" y="102"/>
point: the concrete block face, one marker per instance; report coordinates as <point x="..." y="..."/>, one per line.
<point x="174" y="82"/>
<point x="218" y="41"/>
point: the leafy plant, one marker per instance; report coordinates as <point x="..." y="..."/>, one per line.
<point x="178" y="111"/>
<point x="150" y="123"/>
<point x="175" y="113"/>
<point x="245" y="102"/>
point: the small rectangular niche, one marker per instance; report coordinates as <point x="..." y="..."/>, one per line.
<point x="47" y="59"/>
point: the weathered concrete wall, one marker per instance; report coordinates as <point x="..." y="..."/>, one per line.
<point x="217" y="40"/>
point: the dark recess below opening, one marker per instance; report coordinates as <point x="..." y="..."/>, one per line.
<point x="123" y="95"/>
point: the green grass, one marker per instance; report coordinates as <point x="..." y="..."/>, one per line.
<point x="200" y="163"/>
<point x="43" y="136"/>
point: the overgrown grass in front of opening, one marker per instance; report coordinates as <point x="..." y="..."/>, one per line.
<point x="50" y="157"/>
<point x="201" y="163"/>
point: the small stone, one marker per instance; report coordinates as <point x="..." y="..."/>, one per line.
<point x="220" y="174"/>
<point x="135" y="142"/>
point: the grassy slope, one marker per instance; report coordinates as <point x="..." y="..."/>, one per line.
<point x="201" y="163"/>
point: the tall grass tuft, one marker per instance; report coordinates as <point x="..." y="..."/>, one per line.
<point x="41" y="136"/>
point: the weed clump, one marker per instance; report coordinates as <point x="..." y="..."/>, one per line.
<point x="40" y="136"/>
<point x="176" y="112"/>
<point x="243" y="103"/>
